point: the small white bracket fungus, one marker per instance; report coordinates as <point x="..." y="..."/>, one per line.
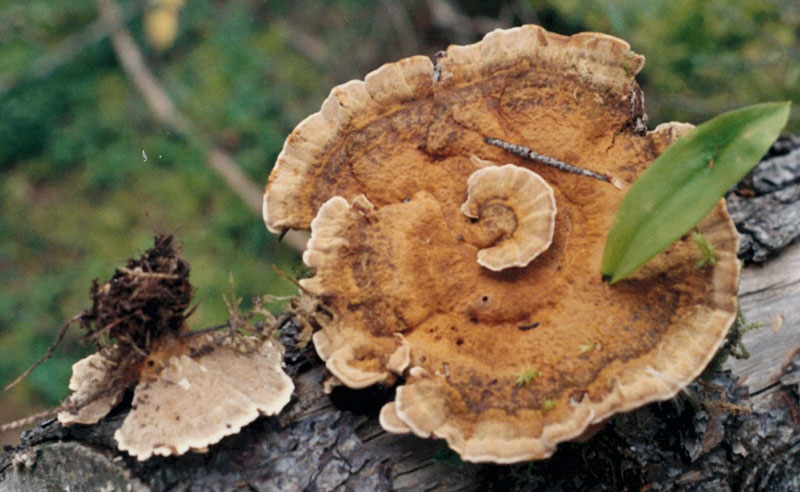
<point x="91" y="376"/>
<point x="193" y="392"/>
<point x="518" y="207"/>
<point x="195" y="402"/>
<point x="390" y="421"/>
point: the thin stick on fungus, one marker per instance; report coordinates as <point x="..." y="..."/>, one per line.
<point x="526" y="153"/>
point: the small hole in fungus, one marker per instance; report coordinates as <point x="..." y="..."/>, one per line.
<point x="474" y="320"/>
<point x="150" y="363"/>
<point x="485" y="298"/>
<point x="460" y="341"/>
<point x="473" y="220"/>
<point x="577" y="396"/>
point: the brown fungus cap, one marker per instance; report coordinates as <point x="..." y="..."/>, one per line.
<point x="503" y="365"/>
<point x="515" y="211"/>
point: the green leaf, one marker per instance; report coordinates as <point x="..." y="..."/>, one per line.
<point x="682" y="185"/>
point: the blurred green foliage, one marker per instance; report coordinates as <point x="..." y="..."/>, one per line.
<point x="77" y="196"/>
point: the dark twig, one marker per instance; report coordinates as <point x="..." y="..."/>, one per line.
<point x="529" y="154"/>
<point x="290" y="279"/>
<point x="99" y="333"/>
<point x="203" y="331"/>
<point x="61" y="333"/>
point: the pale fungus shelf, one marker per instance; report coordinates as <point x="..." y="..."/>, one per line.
<point x="191" y="392"/>
<point x="202" y="393"/>
<point x="94" y="375"/>
<point x="380" y="176"/>
<point x="191" y="388"/>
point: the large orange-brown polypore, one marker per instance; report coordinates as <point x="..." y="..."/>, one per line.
<point x="503" y="365"/>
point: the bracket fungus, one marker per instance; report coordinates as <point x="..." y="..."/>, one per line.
<point x="380" y="175"/>
<point x="202" y="392"/>
<point x="191" y="388"/>
<point x="190" y="393"/>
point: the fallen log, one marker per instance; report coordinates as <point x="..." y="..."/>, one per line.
<point x="736" y="428"/>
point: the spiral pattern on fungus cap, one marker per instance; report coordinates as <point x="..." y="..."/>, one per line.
<point x="515" y="214"/>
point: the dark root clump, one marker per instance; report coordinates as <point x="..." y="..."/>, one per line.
<point x="143" y="301"/>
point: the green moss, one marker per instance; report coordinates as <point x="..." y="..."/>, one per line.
<point x="588" y="346"/>
<point x="526" y="376"/>
<point x="733" y="345"/>
<point x="707" y="254"/>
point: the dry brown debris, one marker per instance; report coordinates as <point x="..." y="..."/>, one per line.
<point x="142" y="301"/>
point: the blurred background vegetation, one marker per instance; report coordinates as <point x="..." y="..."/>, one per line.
<point x="88" y="175"/>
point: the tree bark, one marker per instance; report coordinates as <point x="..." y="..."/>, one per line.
<point x="738" y="429"/>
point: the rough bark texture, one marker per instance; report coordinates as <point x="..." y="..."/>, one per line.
<point x="319" y="452"/>
<point x="764" y="204"/>
<point x="737" y="430"/>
